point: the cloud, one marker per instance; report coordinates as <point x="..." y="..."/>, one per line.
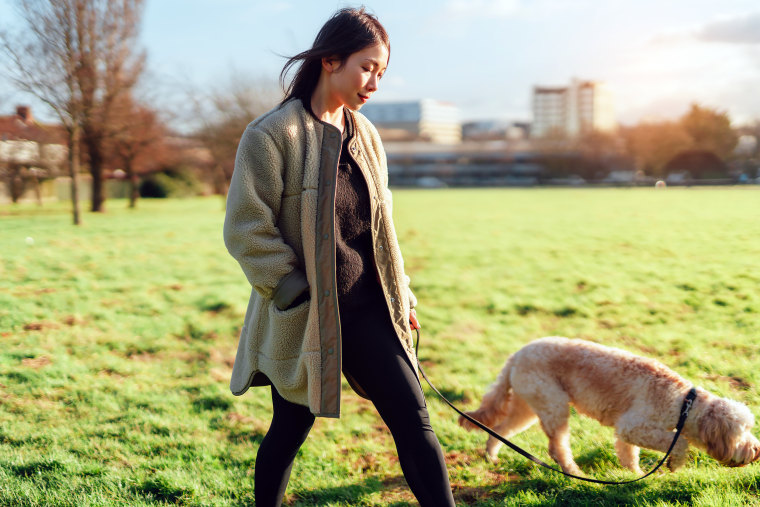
<point x="738" y="30"/>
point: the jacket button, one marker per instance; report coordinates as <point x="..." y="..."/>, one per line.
<point x="380" y="247"/>
<point x="332" y="135"/>
<point x="393" y="300"/>
<point x="330" y="350"/>
<point x="325" y="236"/>
<point x="327" y="293"/>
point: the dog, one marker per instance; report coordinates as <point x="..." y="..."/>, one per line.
<point x="640" y="397"/>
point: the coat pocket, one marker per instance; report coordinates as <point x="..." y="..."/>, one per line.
<point x="283" y="332"/>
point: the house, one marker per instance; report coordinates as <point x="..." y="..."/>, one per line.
<point x="29" y="152"/>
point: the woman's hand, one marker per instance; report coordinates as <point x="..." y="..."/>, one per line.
<point x="413" y="322"/>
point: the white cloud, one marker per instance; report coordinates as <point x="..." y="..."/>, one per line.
<point x="736" y="30"/>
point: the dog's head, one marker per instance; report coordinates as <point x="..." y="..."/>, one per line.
<point x="725" y="431"/>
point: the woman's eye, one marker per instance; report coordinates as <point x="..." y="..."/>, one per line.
<point x="367" y="69"/>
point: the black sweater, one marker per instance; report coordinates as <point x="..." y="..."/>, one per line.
<point x="354" y="258"/>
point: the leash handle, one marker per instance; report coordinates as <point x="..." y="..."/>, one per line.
<point x="687" y="403"/>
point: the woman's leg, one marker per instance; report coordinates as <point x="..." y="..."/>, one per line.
<point x="289" y="428"/>
<point x="373" y="357"/>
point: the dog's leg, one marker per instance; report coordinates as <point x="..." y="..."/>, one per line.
<point x="554" y="422"/>
<point x="519" y="417"/>
<point x="628" y="455"/>
<point x="635" y="432"/>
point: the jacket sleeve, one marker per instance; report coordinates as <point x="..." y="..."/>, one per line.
<point x="388" y="197"/>
<point x="251" y="234"/>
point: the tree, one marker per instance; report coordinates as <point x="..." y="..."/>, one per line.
<point x="224" y="114"/>
<point x="710" y="130"/>
<point x="78" y="57"/>
<point x="652" y="145"/>
<point x="137" y="144"/>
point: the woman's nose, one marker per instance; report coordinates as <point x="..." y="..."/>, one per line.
<point x="372" y="83"/>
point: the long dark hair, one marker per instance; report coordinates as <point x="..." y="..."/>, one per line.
<point x="346" y="32"/>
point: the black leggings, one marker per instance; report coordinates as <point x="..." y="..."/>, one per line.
<point x="373" y="357"/>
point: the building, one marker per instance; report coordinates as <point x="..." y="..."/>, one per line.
<point x="569" y="111"/>
<point x="23" y="141"/>
<point x="29" y="153"/>
<point x="484" y="130"/>
<point x="426" y="120"/>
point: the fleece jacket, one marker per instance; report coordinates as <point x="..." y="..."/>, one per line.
<point x="280" y="227"/>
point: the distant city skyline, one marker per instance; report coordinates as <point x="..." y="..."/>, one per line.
<point x="484" y="56"/>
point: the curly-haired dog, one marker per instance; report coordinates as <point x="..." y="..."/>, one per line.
<point x="639" y="397"/>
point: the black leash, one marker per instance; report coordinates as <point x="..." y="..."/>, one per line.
<point x="687" y="402"/>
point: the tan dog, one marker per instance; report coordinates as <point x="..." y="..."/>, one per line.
<point x="639" y="397"/>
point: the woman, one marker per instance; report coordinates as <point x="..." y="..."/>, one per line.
<point x="309" y="221"/>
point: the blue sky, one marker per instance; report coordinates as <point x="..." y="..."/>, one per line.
<point x="485" y="55"/>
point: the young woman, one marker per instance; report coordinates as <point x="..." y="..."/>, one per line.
<point x="309" y="221"/>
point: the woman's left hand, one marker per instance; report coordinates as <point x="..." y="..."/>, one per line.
<point x="413" y="322"/>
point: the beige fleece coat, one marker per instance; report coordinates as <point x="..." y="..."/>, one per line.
<point x="279" y="226"/>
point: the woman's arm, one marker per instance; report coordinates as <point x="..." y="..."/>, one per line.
<point x="388" y="197"/>
<point x="250" y="226"/>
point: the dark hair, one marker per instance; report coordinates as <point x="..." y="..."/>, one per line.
<point x="346" y="32"/>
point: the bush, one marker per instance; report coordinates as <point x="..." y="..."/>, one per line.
<point x="170" y="183"/>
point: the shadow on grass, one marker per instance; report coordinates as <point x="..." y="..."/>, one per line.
<point x="548" y="491"/>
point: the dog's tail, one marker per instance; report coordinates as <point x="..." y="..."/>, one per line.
<point x="495" y="402"/>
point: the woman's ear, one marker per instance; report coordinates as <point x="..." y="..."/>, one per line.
<point x="330" y="64"/>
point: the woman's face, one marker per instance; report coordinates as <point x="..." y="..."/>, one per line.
<point x="354" y="82"/>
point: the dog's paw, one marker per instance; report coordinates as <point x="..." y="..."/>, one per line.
<point x="674" y="463"/>
<point x="465" y="423"/>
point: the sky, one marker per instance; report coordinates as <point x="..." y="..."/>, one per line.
<point x="484" y="56"/>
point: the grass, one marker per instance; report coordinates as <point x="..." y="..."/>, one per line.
<point x="118" y="339"/>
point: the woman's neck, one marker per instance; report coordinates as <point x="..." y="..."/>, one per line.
<point x="325" y="109"/>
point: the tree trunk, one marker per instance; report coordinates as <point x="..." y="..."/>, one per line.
<point x="73" y="172"/>
<point x="134" y="190"/>
<point x="37" y="191"/>
<point x="17" y="184"/>
<point x="221" y="181"/>
<point x="97" y="189"/>
<point x="96" y="169"/>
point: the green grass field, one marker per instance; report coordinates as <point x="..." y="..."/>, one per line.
<point x="117" y="340"/>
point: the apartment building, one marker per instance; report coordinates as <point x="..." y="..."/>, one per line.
<point x="427" y="120"/>
<point x="570" y="111"/>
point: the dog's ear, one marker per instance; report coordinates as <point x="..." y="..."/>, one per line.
<point x="720" y="426"/>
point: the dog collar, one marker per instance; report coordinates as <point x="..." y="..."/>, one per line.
<point x="688" y="401"/>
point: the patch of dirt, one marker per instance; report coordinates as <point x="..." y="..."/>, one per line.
<point x="39" y="326"/>
<point x="737" y="383"/>
<point x="108" y="372"/>
<point x="219" y="357"/>
<point x="73" y="320"/>
<point x="457" y="458"/>
<point x="234" y="417"/>
<point x="36" y="362"/>
<point x="367" y="463"/>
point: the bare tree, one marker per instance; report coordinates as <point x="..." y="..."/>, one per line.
<point x="224" y="113"/>
<point x="78" y="57"/>
<point x="138" y="143"/>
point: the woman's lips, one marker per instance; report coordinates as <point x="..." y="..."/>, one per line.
<point x="364" y="98"/>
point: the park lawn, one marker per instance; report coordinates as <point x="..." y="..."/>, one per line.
<point x="118" y="338"/>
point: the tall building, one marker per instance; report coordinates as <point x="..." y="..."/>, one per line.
<point x="425" y="119"/>
<point x="581" y="107"/>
